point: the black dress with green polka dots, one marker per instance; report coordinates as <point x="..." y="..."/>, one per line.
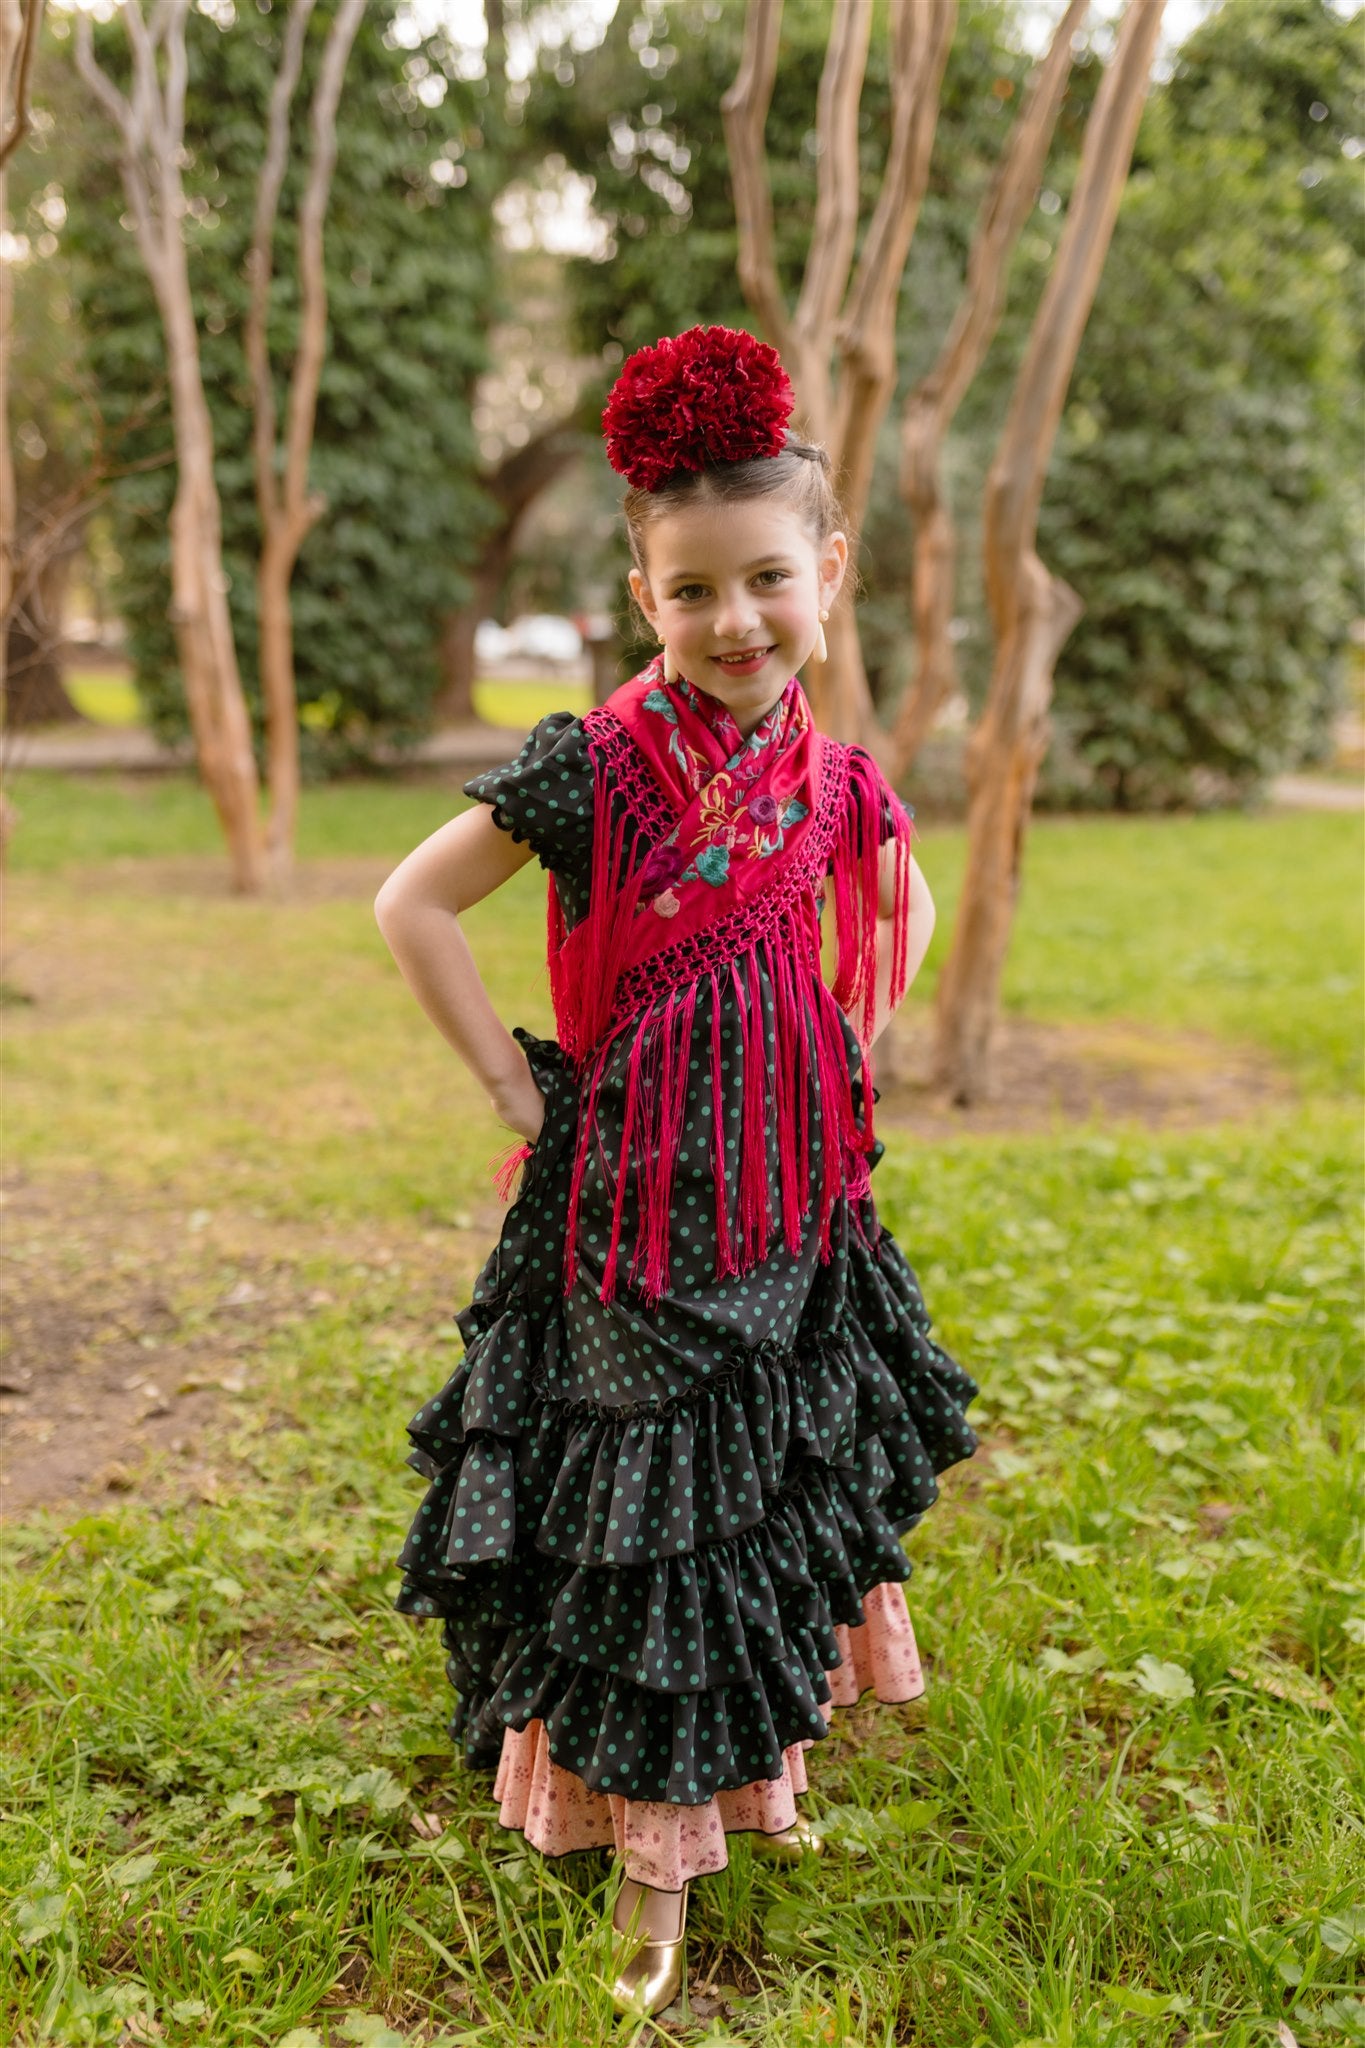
<point x="643" y="1525"/>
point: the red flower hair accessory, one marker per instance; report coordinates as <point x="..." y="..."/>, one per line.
<point x="712" y="394"/>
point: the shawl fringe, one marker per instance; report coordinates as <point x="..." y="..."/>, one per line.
<point x="807" y="1079"/>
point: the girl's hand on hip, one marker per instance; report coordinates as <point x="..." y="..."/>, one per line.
<point x="521" y="1104"/>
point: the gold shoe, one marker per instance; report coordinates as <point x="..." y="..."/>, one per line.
<point x="789" y="1845"/>
<point x="652" y="1975"/>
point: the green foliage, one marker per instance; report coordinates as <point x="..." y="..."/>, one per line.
<point x="1198" y="499"/>
<point x="1202" y="500"/>
<point x="408" y="241"/>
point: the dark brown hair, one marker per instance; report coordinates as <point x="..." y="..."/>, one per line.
<point x="802" y="477"/>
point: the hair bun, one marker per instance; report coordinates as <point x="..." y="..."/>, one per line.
<point x="711" y="394"/>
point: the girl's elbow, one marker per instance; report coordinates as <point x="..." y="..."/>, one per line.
<point x="922" y="905"/>
<point x="387" y="904"/>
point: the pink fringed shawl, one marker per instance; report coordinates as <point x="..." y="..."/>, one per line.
<point x="741" y="834"/>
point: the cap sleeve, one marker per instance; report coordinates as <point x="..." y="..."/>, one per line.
<point x="544" y="797"/>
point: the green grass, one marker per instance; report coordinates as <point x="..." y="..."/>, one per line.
<point x="109" y="698"/>
<point x="1128" y="1813"/>
<point x="104" y="695"/>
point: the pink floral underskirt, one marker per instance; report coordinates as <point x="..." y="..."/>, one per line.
<point x="661" y="1844"/>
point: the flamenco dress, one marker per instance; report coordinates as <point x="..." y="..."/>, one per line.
<point x="663" y="1535"/>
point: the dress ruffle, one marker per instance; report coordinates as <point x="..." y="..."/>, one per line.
<point x="608" y="1572"/>
<point x="662" y="1844"/>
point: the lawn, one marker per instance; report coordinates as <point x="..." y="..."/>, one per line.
<point x="239" y="1164"/>
<point x="107" y="696"/>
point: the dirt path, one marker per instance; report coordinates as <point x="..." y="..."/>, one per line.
<point x="1048" y="1076"/>
<point x="134" y="1331"/>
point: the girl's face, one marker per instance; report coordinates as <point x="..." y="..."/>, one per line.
<point x="738" y="578"/>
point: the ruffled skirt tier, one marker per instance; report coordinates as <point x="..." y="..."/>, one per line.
<point x="663" y="1844"/>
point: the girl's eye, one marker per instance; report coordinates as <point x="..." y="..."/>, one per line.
<point x="686" y="594"/>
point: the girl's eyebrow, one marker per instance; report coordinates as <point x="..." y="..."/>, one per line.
<point x="692" y="575"/>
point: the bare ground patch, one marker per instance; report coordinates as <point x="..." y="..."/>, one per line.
<point x="334" y="878"/>
<point x="1050" y="1075"/>
<point x="134" y="1329"/>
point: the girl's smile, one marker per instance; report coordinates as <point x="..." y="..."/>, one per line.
<point x="743" y="664"/>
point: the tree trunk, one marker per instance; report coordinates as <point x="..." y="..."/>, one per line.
<point x="288" y="512"/>
<point x="932" y="405"/>
<point x="840" y="342"/>
<point x="199" y="614"/>
<point x="1032" y="610"/>
<point x="838" y="686"/>
<point x="151" y="126"/>
<point x="606" y="659"/>
<point x="1003" y="756"/>
<point x="515" y="485"/>
<point x="33" y="690"/>
<point x="279" y="696"/>
<point x="18" y="41"/>
<point x="454" y="701"/>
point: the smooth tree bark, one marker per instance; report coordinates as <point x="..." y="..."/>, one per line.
<point x="19" y="27"/>
<point x="18" y="43"/>
<point x="288" y="510"/>
<point x="931" y="407"/>
<point x="839" y="343"/>
<point x="150" y="121"/>
<point x="1032" y="611"/>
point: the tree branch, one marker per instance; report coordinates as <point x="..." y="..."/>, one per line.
<point x="259" y="257"/>
<point x="744" y="113"/>
<point x="865" y="341"/>
<point x="835" y="232"/>
<point x="931" y="406"/>
<point x="1012" y="196"/>
<point x="134" y="141"/>
<point x="1015" y="486"/>
<point x="303" y="387"/>
<point x="21" y="118"/>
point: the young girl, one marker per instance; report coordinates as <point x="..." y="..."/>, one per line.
<point x="699" y="1404"/>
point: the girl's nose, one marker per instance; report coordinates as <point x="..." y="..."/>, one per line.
<point x="736" y="614"/>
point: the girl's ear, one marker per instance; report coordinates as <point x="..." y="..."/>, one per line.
<point x="642" y="594"/>
<point x="833" y="565"/>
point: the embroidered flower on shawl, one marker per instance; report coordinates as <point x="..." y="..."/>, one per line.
<point x="750" y="827"/>
<point x="662" y="868"/>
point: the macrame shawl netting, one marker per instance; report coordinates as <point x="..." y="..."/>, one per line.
<point x="743" y="833"/>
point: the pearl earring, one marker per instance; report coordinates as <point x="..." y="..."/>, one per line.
<point x="821" y="651"/>
<point x="670" y="669"/>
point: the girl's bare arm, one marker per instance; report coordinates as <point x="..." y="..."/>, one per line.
<point x="418" y="911"/>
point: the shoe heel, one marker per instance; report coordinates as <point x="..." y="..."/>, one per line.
<point x="654" y="1975"/>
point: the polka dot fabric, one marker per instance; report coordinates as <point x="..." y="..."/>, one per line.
<point x="665" y="1544"/>
<point x="662" y="1844"/>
